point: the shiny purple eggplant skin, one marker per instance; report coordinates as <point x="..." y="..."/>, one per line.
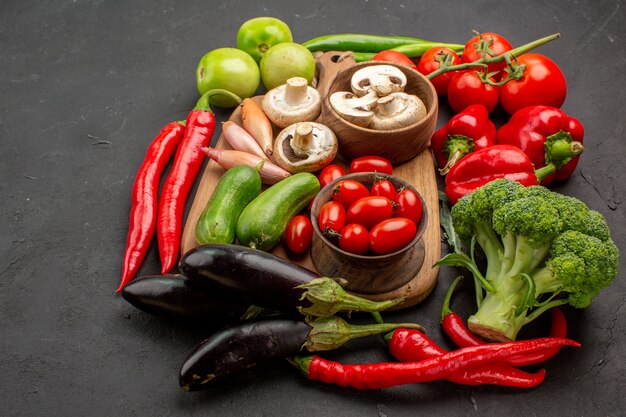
<point x="176" y="297"/>
<point x="234" y="349"/>
<point x="256" y="276"/>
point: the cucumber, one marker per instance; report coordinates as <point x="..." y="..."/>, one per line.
<point x="218" y="222"/>
<point x="263" y="222"/>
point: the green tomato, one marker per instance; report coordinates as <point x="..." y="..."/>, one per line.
<point x="284" y="61"/>
<point x="257" y="35"/>
<point x="229" y="69"/>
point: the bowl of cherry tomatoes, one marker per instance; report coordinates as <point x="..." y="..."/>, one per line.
<point x="368" y="229"/>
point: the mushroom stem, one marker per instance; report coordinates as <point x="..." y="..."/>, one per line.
<point x="302" y="139"/>
<point x="389" y="105"/>
<point x="295" y="90"/>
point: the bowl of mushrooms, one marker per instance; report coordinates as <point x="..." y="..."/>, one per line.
<point x="380" y="109"/>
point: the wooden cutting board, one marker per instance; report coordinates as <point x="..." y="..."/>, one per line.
<point x="419" y="171"/>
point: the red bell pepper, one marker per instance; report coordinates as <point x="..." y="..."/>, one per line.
<point x="488" y="164"/>
<point x="466" y="132"/>
<point x="552" y="140"/>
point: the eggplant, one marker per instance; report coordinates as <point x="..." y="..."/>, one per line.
<point x="234" y="349"/>
<point x="176" y="297"/>
<point x="268" y="281"/>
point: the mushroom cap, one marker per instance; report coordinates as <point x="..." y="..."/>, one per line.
<point x="398" y="110"/>
<point x="383" y="79"/>
<point x="354" y="109"/>
<point x="292" y="102"/>
<point x="322" y="148"/>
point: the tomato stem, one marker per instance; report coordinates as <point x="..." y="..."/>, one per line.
<point x="484" y="61"/>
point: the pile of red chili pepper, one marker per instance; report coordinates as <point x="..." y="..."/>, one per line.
<point x="475" y="362"/>
<point x="148" y="211"/>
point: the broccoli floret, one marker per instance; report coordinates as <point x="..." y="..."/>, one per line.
<point x="472" y="216"/>
<point x="543" y="249"/>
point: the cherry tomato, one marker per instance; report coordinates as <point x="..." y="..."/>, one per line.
<point x="499" y="45"/>
<point x="369" y="211"/>
<point x="466" y="88"/>
<point x="347" y="192"/>
<point x="428" y="63"/>
<point x="371" y="164"/>
<point x="298" y="234"/>
<point x="384" y="188"/>
<point x="392" y="235"/>
<point x="331" y="218"/>
<point x="409" y="205"/>
<point x="543" y="83"/>
<point x="354" y="238"/>
<point x="395" y="57"/>
<point x="330" y="173"/>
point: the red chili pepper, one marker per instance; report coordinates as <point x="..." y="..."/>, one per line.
<point x="143" y="205"/>
<point x="454" y="326"/>
<point x="408" y="345"/>
<point x="488" y="164"/>
<point x="187" y="163"/>
<point x="466" y="132"/>
<point x="389" y="374"/>
<point x="552" y="140"/>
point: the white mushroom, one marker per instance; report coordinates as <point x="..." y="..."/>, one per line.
<point x="397" y="110"/>
<point x="292" y="102"/>
<point x="305" y="147"/>
<point x="383" y="79"/>
<point x="356" y="110"/>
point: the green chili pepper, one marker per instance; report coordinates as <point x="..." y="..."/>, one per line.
<point x="365" y="43"/>
<point x="413" y="50"/>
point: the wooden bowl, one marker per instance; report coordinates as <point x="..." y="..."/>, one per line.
<point x="367" y="274"/>
<point x="397" y="145"/>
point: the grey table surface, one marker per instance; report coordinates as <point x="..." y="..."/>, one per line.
<point x="84" y="87"/>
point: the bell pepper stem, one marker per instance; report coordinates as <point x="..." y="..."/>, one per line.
<point x="560" y="149"/>
<point x="544" y="172"/>
<point x="204" y="100"/>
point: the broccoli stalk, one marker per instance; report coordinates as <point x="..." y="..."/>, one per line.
<point x="542" y="249"/>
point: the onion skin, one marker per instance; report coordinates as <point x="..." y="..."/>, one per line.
<point x="256" y="123"/>
<point x="269" y="172"/>
<point x="241" y="140"/>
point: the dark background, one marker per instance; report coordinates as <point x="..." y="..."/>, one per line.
<point x="86" y="85"/>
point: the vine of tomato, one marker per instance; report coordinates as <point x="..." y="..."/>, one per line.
<point x="428" y="63"/>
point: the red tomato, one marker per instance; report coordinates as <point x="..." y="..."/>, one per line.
<point x="347" y="192"/>
<point x="428" y="63"/>
<point x="371" y="164"/>
<point x="384" y="188"/>
<point x="330" y="173"/>
<point x="542" y="83"/>
<point x="409" y="205"/>
<point x="298" y="234"/>
<point x="498" y="45"/>
<point x="395" y="57"/>
<point x="354" y="238"/>
<point x="331" y="218"/>
<point x="466" y="88"/>
<point x="369" y="211"/>
<point x="392" y="235"/>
